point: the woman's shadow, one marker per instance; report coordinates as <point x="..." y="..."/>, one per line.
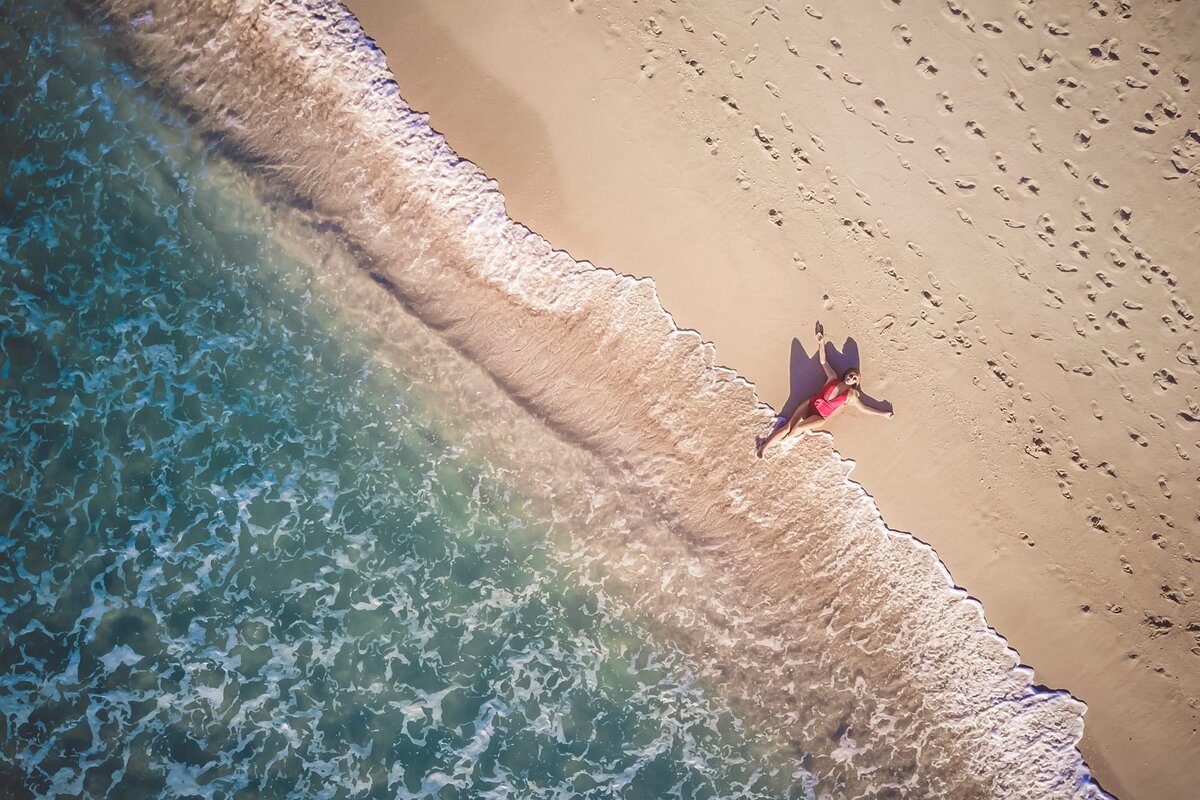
<point x="807" y="377"/>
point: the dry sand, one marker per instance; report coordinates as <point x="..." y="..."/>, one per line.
<point x="994" y="206"/>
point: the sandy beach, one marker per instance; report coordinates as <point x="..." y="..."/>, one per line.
<point x="993" y="208"/>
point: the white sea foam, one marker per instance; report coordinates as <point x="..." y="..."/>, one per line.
<point x="849" y="638"/>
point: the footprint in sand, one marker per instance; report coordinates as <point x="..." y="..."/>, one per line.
<point x="1057" y="30"/>
<point x="774" y="12"/>
<point x="787" y="121"/>
<point x="916" y="249"/>
<point x="993" y="28"/>
<point x="1113" y="358"/>
<point x="1163" y="486"/>
<point x="735" y="69"/>
<point x="947" y="102"/>
<point x="691" y="62"/>
<point x="824" y="70"/>
<point x="1104" y="54"/>
<point x="776" y="217"/>
<point x="964" y="216"/>
<point x="1070" y="167"/>
<point x="998" y="160"/>
<point x="850" y="79"/>
<point x="765" y="140"/>
<point x="812" y="12"/>
<point x="973" y="128"/>
<point x="1035" y="140"/>
<point x="1082" y="140"/>
<point x="720" y="37"/>
<point x="654" y="27"/>
<point x="955" y="10"/>
<point x="835" y="45"/>
<point x="1064" y="484"/>
<point x="687" y="26"/>
<point x="901" y="35"/>
<point x="791" y="47"/>
<point x="881" y="104"/>
<point x="965" y="185"/>
<point x="1017" y="100"/>
<point x="981" y="67"/>
<point x="753" y="54"/>
<point x="772" y="88"/>
<point x="1164" y="379"/>
<point x="1000" y="190"/>
<point x="1030" y="185"/>
<point x="926" y="67"/>
<point x="1097" y="182"/>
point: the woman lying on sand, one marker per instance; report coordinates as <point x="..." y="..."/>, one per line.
<point x="837" y="392"/>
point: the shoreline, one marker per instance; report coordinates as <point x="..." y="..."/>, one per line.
<point x="635" y="195"/>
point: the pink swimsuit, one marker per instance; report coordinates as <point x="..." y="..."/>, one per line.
<point x="822" y="403"/>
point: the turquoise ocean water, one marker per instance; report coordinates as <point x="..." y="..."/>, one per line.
<point x="241" y="556"/>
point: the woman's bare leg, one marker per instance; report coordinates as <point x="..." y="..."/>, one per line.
<point x="809" y="423"/>
<point x="799" y="417"/>
<point x="778" y="433"/>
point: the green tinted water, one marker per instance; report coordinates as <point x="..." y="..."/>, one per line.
<point x="243" y="557"/>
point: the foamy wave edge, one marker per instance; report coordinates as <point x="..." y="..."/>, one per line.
<point x="650" y="396"/>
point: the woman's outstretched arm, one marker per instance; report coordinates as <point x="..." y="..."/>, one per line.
<point x="829" y="373"/>
<point x="866" y="409"/>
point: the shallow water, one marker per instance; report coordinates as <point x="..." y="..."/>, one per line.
<point x="243" y="555"/>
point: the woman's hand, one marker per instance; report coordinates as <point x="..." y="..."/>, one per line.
<point x="820" y="337"/>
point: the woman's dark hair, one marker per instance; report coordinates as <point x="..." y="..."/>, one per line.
<point x="851" y="370"/>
